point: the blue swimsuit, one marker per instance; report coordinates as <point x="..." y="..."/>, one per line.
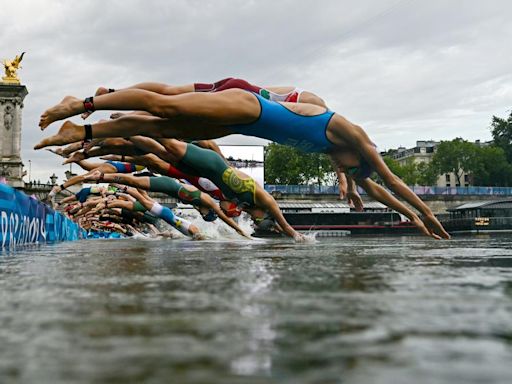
<point x="279" y="124"/>
<point x="122" y="167"/>
<point x="82" y="194"/>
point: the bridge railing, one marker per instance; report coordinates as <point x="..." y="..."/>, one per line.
<point x="432" y="190"/>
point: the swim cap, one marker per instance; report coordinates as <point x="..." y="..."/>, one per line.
<point x="232" y="210"/>
<point x="210" y="216"/>
<point x="267" y="224"/>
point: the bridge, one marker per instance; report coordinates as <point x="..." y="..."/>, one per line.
<point x="439" y="199"/>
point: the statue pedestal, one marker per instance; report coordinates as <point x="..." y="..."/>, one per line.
<point x="10" y="80"/>
<point x="11" y="105"/>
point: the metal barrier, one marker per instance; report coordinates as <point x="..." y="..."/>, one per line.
<point x="333" y="189"/>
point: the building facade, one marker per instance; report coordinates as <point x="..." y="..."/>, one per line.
<point x="423" y="152"/>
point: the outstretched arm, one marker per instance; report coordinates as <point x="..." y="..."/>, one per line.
<point x="165" y="213"/>
<point x="79" y="156"/>
<point x="380" y="194"/>
<point x="150" y="161"/>
<point x="356" y="136"/>
<point x="267" y="202"/>
<point x="210" y="203"/>
<point x="342" y="179"/>
<point x="68" y="199"/>
<point x="121" y="178"/>
<point x="353" y="196"/>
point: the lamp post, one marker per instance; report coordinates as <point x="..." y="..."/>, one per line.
<point x="30" y="171"/>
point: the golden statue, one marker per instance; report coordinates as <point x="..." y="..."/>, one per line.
<point x="11" y="66"/>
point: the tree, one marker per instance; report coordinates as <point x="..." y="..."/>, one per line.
<point x="426" y="174"/>
<point x="317" y="168"/>
<point x="502" y="134"/>
<point x="412" y="173"/>
<point x="493" y="169"/>
<point x="457" y="156"/>
<point x="394" y="166"/>
<point x="287" y="165"/>
<point x="282" y="165"/>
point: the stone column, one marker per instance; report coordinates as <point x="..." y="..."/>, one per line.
<point x="11" y="105"/>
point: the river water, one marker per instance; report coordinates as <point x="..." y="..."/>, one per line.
<point x="343" y="310"/>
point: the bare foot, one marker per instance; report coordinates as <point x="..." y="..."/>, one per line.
<point x="69" y="149"/>
<point x="69" y="106"/>
<point x="100" y="91"/>
<point x="57" y="151"/>
<point x="68" y="133"/>
<point x="76" y="157"/>
<point x="93" y="176"/>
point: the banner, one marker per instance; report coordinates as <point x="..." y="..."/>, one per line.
<point x="25" y="220"/>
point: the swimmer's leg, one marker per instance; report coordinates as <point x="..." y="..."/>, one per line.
<point x="133" y="125"/>
<point x="120" y="178"/>
<point x="232" y="106"/>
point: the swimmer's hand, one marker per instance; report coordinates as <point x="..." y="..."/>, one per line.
<point x="199" y="236"/>
<point x="435" y="227"/>
<point x="242" y="233"/>
<point x="353" y="198"/>
<point x="94" y="176"/>
<point x="299" y="238"/>
<point x="423" y="229"/>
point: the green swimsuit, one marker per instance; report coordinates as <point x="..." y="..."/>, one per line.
<point x="171" y="187"/>
<point x="207" y="163"/>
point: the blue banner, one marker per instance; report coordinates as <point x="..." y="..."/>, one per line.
<point x="25" y="220"/>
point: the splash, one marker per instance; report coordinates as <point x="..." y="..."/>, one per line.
<point x="217" y="230"/>
<point x="310" y="238"/>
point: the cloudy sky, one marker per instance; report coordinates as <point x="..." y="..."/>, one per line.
<point x="405" y="70"/>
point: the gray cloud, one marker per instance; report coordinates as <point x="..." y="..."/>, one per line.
<point x="404" y="70"/>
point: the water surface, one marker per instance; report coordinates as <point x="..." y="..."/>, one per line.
<point x="343" y="310"/>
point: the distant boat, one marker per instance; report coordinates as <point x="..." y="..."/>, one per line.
<point x="480" y="216"/>
<point x="329" y="218"/>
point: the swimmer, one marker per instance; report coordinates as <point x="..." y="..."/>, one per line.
<point x="185" y="193"/>
<point x="144" y="203"/>
<point x="105" y="167"/>
<point x="82" y="195"/>
<point x="241" y="190"/>
<point x="279" y="93"/>
<point x="274" y="93"/>
<point x="162" y="167"/>
<point x="212" y="115"/>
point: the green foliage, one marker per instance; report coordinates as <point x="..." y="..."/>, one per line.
<point x="487" y="166"/>
<point x="501" y="130"/>
<point x="394" y="166"/>
<point x="282" y="165"/>
<point x="426" y="174"/>
<point x="412" y="173"/>
<point x="492" y="168"/>
<point x="287" y="165"/>
<point x="455" y="156"/>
